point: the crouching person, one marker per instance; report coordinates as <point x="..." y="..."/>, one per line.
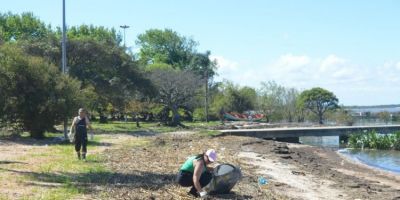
<point x="195" y="172"/>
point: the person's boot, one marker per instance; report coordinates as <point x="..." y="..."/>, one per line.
<point x="84" y="156"/>
<point x="78" y="154"/>
<point x="193" y="192"/>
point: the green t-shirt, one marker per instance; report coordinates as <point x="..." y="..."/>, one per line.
<point x="188" y="165"/>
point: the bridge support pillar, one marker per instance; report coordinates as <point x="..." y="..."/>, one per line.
<point x="343" y="139"/>
<point x="289" y="139"/>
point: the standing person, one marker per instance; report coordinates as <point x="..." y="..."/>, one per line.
<point x="195" y="172"/>
<point x="80" y="124"/>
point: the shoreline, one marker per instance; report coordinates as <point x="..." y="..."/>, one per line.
<point x="322" y="173"/>
<point x="363" y="164"/>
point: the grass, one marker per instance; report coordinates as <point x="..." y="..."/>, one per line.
<point x="59" y="166"/>
<point x="54" y="172"/>
<point x="130" y="127"/>
<point x="48" y="170"/>
<point x="209" y="132"/>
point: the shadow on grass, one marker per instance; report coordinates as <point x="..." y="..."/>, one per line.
<point x="49" y="141"/>
<point x="137" y="133"/>
<point x="136" y="179"/>
<point x="10" y="162"/>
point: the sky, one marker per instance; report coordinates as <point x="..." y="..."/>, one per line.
<point x="351" y="48"/>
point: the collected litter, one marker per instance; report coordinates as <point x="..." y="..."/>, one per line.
<point x="225" y="176"/>
<point x="262" y="182"/>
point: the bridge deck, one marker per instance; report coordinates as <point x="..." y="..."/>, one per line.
<point x="309" y="131"/>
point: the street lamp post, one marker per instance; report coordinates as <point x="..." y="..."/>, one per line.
<point x="64" y="57"/>
<point x="64" y="38"/>
<point x="124" y="27"/>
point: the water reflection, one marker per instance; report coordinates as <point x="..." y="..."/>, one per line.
<point x="383" y="159"/>
<point x="324" y="141"/>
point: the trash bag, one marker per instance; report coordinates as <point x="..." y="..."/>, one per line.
<point x="225" y="176"/>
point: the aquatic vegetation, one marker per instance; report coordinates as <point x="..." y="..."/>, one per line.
<point x="374" y="140"/>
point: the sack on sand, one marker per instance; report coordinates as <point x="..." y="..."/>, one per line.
<point x="225" y="176"/>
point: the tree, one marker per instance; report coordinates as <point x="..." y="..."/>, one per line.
<point x="168" y="47"/>
<point x="384" y="116"/>
<point x="175" y="89"/>
<point x="165" y="46"/>
<point x="271" y="100"/>
<point x="96" y="59"/>
<point x="318" y="101"/>
<point x="340" y="116"/>
<point x="290" y="104"/>
<point x="36" y="95"/>
<point x="231" y="97"/>
<point x="16" y="27"/>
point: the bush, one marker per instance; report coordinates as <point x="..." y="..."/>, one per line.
<point x="37" y="95"/>
<point x="373" y="140"/>
<point x="199" y="114"/>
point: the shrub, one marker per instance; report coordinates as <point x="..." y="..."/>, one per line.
<point x="37" y="95"/>
<point x="374" y="140"/>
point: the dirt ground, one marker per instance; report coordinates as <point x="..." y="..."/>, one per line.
<point x="293" y="171"/>
<point x="305" y="172"/>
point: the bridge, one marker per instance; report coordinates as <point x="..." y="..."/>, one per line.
<point x="296" y="132"/>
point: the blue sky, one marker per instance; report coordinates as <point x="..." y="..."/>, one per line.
<point x="351" y="48"/>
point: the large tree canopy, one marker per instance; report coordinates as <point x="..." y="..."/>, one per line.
<point x="231" y="97"/>
<point x="25" y="26"/>
<point x="176" y="89"/>
<point x="165" y="46"/>
<point x="318" y="101"/>
<point x="94" y="56"/>
<point x="168" y="47"/>
<point x="34" y="94"/>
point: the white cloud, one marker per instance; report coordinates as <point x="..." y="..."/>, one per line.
<point x="225" y="64"/>
<point x="291" y="62"/>
<point x="353" y="83"/>
<point x="332" y="63"/>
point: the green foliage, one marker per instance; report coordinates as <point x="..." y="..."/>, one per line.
<point x="16" y="27"/>
<point x="233" y="98"/>
<point x="318" y="101"/>
<point x="165" y="46"/>
<point x="199" y="114"/>
<point x="94" y="57"/>
<point x="373" y="140"/>
<point x="35" y="95"/>
<point x="97" y="33"/>
<point x="277" y="102"/>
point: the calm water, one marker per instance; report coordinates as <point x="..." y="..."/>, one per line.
<point x="383" y="159"/>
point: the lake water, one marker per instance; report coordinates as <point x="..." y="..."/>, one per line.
<point x="382" y="159"/>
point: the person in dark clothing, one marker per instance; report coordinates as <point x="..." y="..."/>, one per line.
<point x="195" y="172"/>
<point x="80" y="125"/>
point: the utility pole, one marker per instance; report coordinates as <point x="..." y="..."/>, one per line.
<point x="64" y="58"/>
<point x="124" y="27"/>
<point x="206" y="94"/>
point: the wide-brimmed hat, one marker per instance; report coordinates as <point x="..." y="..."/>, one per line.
<point x="212" y="155"/>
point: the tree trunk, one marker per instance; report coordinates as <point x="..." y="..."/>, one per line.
<point x="175" y="118"/>
<point x="321" y="118"/>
